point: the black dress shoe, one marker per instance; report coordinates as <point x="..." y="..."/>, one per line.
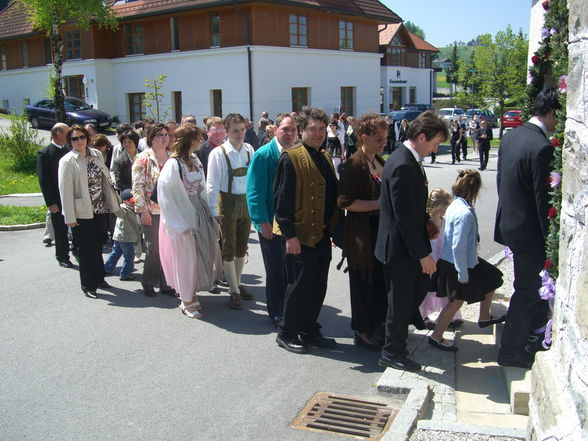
<point x="127" y="278"/>
<point x="440" y="345"/>
<point x="222" y="283"/>
<point x="66" y="263"/>
<point x="400" y="363"/>
<point x="291" y="344"/>
<point x="522" y="360"/>
<point x="492" y="321"/>
<point x="91" y="293"/>
<point x="149" y="291"/>
<point x="47" y="242"/>
<point x="104" y="285"/>
<point x="318" y="340"/>
<point x="364" y="344"/>
<point x="215" y="290"/>
<point x="169" y="292"/>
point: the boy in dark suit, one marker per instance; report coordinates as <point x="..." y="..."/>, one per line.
<point x="403" y="244"/>
<point x="524" y="160"/>
<point x="47" y="167"/>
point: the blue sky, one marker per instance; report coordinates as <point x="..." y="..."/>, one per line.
<point x="445" y="21"/>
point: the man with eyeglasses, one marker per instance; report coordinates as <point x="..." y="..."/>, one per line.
<point x="215" y="130"/>
<point x="260" y="201"/>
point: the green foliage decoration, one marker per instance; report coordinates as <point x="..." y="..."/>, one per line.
<point x="19" y="144"/>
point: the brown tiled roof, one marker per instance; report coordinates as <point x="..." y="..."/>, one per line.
<point x="13" y="19"/>
<point x="387" y="33"/>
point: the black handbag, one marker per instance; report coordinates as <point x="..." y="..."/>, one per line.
<point x="153" y="196"/>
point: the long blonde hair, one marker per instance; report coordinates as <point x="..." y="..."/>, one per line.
<point x="438" y="201"/>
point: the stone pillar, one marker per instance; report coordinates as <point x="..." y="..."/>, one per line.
<point x="559" y="398"/>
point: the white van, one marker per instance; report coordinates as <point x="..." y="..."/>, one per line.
<point x="450" y="113"/>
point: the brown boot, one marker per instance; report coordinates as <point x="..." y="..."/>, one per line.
<point x="235" y="301"/>
<point x="245" y="294"/>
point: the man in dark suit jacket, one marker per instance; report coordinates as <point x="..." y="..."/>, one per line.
<point x="47" y="171"/>
<point x="403" y="244"/>
<point x="484" y="138"/>
<point x="522" y="224"/>
<point x="216" y="133"/>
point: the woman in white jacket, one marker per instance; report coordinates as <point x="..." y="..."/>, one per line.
<point x="188" y="234"/>
<point x="87" y="196"/>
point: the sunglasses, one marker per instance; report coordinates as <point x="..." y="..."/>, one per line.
<point x="162" y="135"/>
<point x="78" y="138"/>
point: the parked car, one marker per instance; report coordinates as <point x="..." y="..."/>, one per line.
<point x="42" y="114"/>
<point x="419" y="107"/>
<point x="512" y="118"/>
<point x="409" y="115"/>
<point x="449" y="113"/>
<point x="483" y="115"/>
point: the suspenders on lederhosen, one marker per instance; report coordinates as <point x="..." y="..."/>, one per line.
<point x="233" y="206"/>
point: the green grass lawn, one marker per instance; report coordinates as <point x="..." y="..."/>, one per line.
<point x="17" y="182"/>
<point x="10" y="215"/>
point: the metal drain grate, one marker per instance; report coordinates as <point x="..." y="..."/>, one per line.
<point x="345" y="416"/>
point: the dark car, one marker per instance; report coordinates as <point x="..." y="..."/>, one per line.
<point x="483" y="115"/>
<point x="512" y="118"/>
<point x="409" y="115"/>
<point x="42" y="114"/>
<point x="419" y="107"/>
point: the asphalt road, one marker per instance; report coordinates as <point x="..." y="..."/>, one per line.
<point x="127" y="367"/>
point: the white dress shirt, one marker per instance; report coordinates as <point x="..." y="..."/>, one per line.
<point x="218" y="172"/>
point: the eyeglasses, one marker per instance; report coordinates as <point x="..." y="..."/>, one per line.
<point x="78" y="138"/>
<point x="217" y="130"/>
<point x="162" y="135"/>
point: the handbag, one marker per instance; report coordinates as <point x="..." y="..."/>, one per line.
<point x="153" y="196"/>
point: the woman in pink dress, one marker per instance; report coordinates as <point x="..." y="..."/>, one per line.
<point x="188" y="235"/>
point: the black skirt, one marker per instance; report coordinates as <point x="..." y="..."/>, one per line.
<point x="483" y="278"/>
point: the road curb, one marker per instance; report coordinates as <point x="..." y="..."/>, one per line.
<point x="21" y="195"/>
<point x="471" y="429"/>
<point x="22" y="227"/>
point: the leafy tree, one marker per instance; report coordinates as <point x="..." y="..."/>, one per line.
<point x="471" y="82"/>
<point x="49" y="16"/>
<point x="154" y="97"/>
<point x="501" y="66"/>
<point x="415" y="29"/>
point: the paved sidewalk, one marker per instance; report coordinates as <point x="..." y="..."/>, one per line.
<point x="23" y="200"/>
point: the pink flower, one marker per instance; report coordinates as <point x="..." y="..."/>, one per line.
<point x="563" y="83"/>
<point x="554" y="179"/>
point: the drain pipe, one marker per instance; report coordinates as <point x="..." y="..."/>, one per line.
<point x="249" y="64"/>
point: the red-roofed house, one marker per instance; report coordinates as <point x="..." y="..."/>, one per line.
<point x="219" y="56"/>
<point x="407" y="76"/>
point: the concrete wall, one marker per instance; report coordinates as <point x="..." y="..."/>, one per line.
<point x="559" y="399"/>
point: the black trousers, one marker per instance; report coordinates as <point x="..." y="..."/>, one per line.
<point x="272" y="251"/>
<point x="60" y="235"/>
<point x="306" y="276"/>
<point x="484" y="152"/>
<point x="407" y="286"/>
<point x="464" y="147"/>
<point x="526" y="311"/>
<point x="89" y="237"/>
<point x="455" y="151"/>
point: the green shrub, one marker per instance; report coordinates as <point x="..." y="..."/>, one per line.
<point x="19" y="144"/>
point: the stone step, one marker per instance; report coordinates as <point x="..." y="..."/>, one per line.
<point x="518" y="381"/>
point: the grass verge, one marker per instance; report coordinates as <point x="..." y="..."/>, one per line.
<point x="10" y="215"/>
<point x="16" y="182"/>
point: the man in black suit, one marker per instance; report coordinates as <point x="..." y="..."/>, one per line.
<point x="484" y="138"/>
<point x="47" y="171"/>
<point x="216" y="133"/>
<point x="522" y="224"/>
<point x="403" y="244"/>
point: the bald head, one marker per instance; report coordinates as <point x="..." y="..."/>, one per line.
<point x="58" y="133"/>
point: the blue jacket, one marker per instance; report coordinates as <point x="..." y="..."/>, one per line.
<point x="461" y="238"/>
<point x="260" y="184"/>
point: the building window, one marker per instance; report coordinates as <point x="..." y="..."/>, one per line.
<point x="412" y="95"/>
<point x="133" y="39"/>
<point x="25" y="54"/>
<point x="396" y="41"/>
<point x="298" y="30"/>
<point x="136" y="106"/>
<point x="3" y="63"/>
<point x="217" y="102"/>
<point x="347" y="95"/>
<point x="395" y="98"/>
<point x="299" y="98"/>
<point x="73" y="45"/>
<point x="396" y="56"/>
<point x="215" y="40"/>
<point x="345" y="34"/>
<point x="74" y="86"/>
<point x="422" y="59"/>
<point x="174" y="33"/>
<point x="177" y="100"/>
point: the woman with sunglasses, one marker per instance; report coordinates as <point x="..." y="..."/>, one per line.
<point x="146" y="169"/>
<point x="87" y="196"/>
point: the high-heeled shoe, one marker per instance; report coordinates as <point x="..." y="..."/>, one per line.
<point x="364" y="344"/>
<point x="191" y="314"/>
<point x="492" y="321"/>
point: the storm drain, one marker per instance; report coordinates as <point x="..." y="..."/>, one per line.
<point x="345" y="416"/>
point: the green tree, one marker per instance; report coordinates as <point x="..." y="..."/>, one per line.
<point x="452" y="72"/>
<point x="154" y="97"/>
<point x="501" y="65"/>
<point x="470" y="80"/>
<point x="49" y="16"/>
<point x="415" y="29"/>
